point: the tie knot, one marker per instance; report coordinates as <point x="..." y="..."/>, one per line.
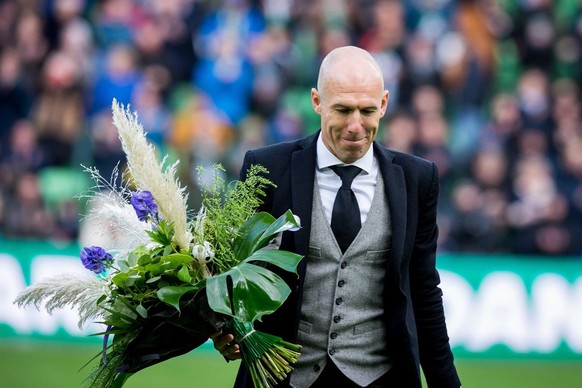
<point x="346" y="174"/>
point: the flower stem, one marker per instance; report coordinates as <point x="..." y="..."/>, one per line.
<point x="267" y="357"/>
<point x="205" y="271"/>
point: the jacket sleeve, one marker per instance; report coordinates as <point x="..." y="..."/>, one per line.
<point x="435" y="354"/>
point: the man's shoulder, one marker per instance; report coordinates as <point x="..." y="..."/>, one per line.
<point x="277" y="148"/>
<point x="404" y="159"/>
<point x="283" y="148"/>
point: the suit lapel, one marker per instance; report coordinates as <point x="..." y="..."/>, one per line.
<point x="395" y="187"/>
<point x="303" y="164"/>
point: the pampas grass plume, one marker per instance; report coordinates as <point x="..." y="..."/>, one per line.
<point x="79" y="291"/>
<point x="150" y="175"/>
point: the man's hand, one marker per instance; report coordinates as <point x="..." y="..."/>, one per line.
<point x="223" y="343"/>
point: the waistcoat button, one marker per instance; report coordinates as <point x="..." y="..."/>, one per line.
<point x="331" y="352"/>
<point x="316" y="367"/>
<point x="337" y="318"/>
<point x="344" y="264"/>
<point x="341" y="283"/>
<point x="339" y="301"/>
<point x="333" y="335"/>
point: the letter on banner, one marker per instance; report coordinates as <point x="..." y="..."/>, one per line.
<point x="11" y="283"/>
<point x="501" y="314"/>
<point x="458" y="304"/>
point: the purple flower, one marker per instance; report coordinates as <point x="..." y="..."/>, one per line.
<point x="144" y="205"/>
<point x="95" y="258"/>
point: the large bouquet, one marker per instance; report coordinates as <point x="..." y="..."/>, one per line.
<point x="182" y="276"/>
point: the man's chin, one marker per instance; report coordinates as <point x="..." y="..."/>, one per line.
<point x="351" y="156"/>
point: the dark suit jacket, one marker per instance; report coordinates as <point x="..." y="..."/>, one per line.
<point x="413" y="302"/>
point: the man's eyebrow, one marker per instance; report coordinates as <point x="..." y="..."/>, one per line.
<point x="340" y="105"/>
<point x="346" y="106"/>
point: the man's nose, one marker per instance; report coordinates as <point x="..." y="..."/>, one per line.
<point x="355" y="122"/>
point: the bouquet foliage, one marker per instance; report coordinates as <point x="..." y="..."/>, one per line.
<point x="179" y="277"/>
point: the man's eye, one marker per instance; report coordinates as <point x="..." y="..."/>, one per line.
<point x="367" y="112"/>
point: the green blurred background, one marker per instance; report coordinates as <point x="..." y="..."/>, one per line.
<point x="513" y="322"/>
<point x="32" y="364"/>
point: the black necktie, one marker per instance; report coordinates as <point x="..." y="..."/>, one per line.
<point x="345" y="217"/>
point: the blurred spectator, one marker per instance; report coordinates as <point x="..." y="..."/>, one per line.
<point x="25" y="215"/>
<point x="76" y="40"/>
<point x="433" y="129"/>
<point x="490" y="169"/>
<point x="487" y="89"/>
<point x="469" y="227"/>
<point x="116" y="78"/>
<point x="148" y="99"/>
<point x="566" y="112"/>
<point x="536" y="33"/>
<point x="466" y="59"/>
<point x="419" y="66"/>
<point x="538" y="213"/>
<point x="114" y="22"/>
<point x="106" y="146"/>
<point x="224" y="71"/>
<point x="571" y="180"/>
<point x="252" y="134"/>
<point x="428" y="17"/>
<point x="401" y="132"/>
<point x="285" y="125"/>
<point x="273" y="59"/>
<point x="504" y="124"/>
<point x="384" y="40"/>
<point x="24" y="153"/>
<point x="165" y="37"/>
<point x="15" y="98"/>
<point x="31" y="45"/>
<point x="59" y="111"/>
<point x="388" y="30"/>
<point x="200" y="134"/>
<point x="433" y="132"/>
<point x="67" y="220"/>
<point x="534" y="99"/>
<point x="427" y="100"/>
<point x="8" y="12"/>
<point x="59" y="15"/>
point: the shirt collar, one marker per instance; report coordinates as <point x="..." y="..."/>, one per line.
<point x="326" y="159"/>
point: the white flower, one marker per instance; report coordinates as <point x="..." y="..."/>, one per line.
<point x="198" y="252"/>
<point x="298" y="221"/>
<point x="209" y="251"/>
<point x="153" y="245"/>
<point x="203" y="253"/>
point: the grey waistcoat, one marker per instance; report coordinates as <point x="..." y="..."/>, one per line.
<point x="341" y="312"/>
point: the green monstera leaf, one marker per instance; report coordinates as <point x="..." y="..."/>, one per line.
<point x="248" y="291"/>
<point x="259" y="230"/>
<point x="256" y="291"/>
<point x="172" y="294"/>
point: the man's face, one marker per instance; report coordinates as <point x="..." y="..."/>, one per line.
<point x="350" y="108"/>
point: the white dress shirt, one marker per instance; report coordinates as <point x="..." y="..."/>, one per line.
<point x="329" y="182"/>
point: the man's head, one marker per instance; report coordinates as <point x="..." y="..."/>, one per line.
<point x="351" y="100"/>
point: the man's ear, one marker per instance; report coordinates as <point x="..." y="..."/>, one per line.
<point x="384" y="103"/>
<point x="315" y="101"/>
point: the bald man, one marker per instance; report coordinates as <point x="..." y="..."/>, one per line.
<point x="366" y="306"/>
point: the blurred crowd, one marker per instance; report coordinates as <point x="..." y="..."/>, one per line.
<point x="488" y="89"/>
